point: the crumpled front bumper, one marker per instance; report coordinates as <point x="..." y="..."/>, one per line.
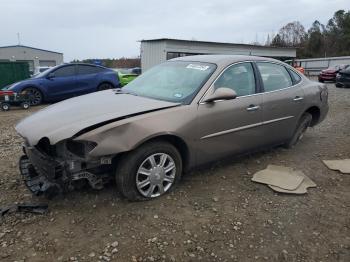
<point x="40" y="172"/>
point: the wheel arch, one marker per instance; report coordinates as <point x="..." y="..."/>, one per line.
<point x="176" y="141"/>
<point x="105" y="82"/>
<point x="36" y="87"/>
<point x="315" y="113"/>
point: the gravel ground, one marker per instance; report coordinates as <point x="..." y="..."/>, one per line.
<point x="215" y="214"/>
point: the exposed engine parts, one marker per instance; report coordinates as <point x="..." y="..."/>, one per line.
<point x="50" y="170"/>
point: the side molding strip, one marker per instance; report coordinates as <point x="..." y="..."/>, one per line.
<point x="245" y="127"/>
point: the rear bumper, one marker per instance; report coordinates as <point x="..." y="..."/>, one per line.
<point x="327" y="77"/>
<point x="323" y="113"/>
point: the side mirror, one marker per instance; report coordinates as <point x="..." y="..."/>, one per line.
<point x="222" y="93"/>
<point x="51" y="75"/>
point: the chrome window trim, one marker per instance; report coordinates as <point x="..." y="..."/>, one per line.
<point x="277" y="63"/>
<point x="212" y="84"/>
<point x="248" y="61"/>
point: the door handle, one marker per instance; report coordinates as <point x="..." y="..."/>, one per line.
<point x="252" y="108"/>
<point x="298" y="98"/>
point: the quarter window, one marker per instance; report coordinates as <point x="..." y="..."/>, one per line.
<point x="274" y="76"/>
<point x="295" y="76"/>
<point x="240" y="78"/>
<point x="65" y="71"/>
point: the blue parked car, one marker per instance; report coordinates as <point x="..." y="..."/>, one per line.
<point x="66" y="81"/>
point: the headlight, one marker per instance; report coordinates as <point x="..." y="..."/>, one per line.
<point x="80" y="148"/>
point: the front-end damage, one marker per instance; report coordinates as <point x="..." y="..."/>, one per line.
<point x="54" y="169"/>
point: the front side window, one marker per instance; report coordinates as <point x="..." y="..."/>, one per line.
<point x="274" y="76"/>
<point x="239" y="77"/>
<point x="65" y="71"/>
<point x="176" y="81"/>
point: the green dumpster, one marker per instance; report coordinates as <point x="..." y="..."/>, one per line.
<point x="11" y="72"/>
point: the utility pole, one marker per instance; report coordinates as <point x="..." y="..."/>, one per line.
<point x="19" y="39"/>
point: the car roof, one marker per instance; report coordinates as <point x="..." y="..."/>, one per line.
<point x="223" y="60"/>
<point x="84" y="64"/>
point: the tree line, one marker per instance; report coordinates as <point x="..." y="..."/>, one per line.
<point x="332" y="39"/>
<point x="115" y="62"/>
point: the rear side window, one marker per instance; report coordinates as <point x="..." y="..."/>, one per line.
<point x="86" y="69"/>
<point x="274" y="76"/>
<point x="240" y="78"/>
<point x="296" y="77"/>
<point x="65" y="71"/>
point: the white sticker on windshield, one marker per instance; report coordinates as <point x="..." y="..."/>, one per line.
<point x="178" y="95"/>
<point x="197" y="67"/>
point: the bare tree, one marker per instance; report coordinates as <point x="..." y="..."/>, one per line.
<point x="293" y="34"/>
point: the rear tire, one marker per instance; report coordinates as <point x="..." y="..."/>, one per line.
<point x="299" y="132"/>
<point x="138" y="179"/>
<point x="25" y="105"/>
<point x="104" y="86"/>
<point x="5" y="106"/>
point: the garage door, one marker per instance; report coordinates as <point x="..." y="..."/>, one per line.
<point x="49" y="63"/>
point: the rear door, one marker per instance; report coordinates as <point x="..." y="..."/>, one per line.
<point x="283" y="101"/>
<point x="87" y="78"/>
<point x="231" y="126"/>
<point x="62" y="83"/>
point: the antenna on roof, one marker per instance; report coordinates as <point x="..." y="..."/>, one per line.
<point x="19" y="39"/>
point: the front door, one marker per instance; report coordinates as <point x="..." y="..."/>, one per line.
<point x="62" y="84"/>
<point x="230" y="126"/>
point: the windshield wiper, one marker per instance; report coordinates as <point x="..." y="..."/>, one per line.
<point x="121" y="91"/>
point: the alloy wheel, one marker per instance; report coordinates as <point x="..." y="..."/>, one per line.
<point x="35" y="96"/>
<point x="155" y="175"/>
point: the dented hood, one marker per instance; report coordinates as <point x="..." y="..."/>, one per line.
<point x="65" y="119"/>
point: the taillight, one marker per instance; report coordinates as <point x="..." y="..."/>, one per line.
<point x="3" y="93"/>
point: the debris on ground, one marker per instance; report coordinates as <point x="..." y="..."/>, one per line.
<point x="284" y="179"/>
<point x="342" y="165"/>
<point x="24" y="208"/>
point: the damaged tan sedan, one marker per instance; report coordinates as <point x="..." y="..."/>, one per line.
<point x="178" y="115"/>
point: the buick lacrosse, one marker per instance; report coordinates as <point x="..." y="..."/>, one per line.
<point x="178" y="115"/>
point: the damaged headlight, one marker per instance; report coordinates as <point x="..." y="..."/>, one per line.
<point x="80" y="148"/>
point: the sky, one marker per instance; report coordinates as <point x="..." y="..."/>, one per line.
<point x="83" y="29"/>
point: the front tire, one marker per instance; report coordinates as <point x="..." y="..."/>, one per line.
<point x="149" y="171"/>
<point x="299" y="132"/>
<point x="35" y="96"/>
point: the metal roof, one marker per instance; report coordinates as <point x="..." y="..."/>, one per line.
<point x="9" y="46"/>
<point x="222" y="59"/>
<point x="211" y="42"/>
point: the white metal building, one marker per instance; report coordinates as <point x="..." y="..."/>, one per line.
<point x="34" y="56"/>
<point x="313" y="66"/>
<point x="156" y="51"/>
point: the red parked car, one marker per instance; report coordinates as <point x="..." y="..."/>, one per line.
<point x="329" y="74"/>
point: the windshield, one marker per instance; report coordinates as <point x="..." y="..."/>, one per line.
<point x="44" y="73"/>
<point x="176" y="81"/>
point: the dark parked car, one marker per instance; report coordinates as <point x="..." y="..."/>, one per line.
<point x="343" y="78"/>
<point x="329" y="74"/>
<point x="66" y="81"/>
<point x="186" y="112"/>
